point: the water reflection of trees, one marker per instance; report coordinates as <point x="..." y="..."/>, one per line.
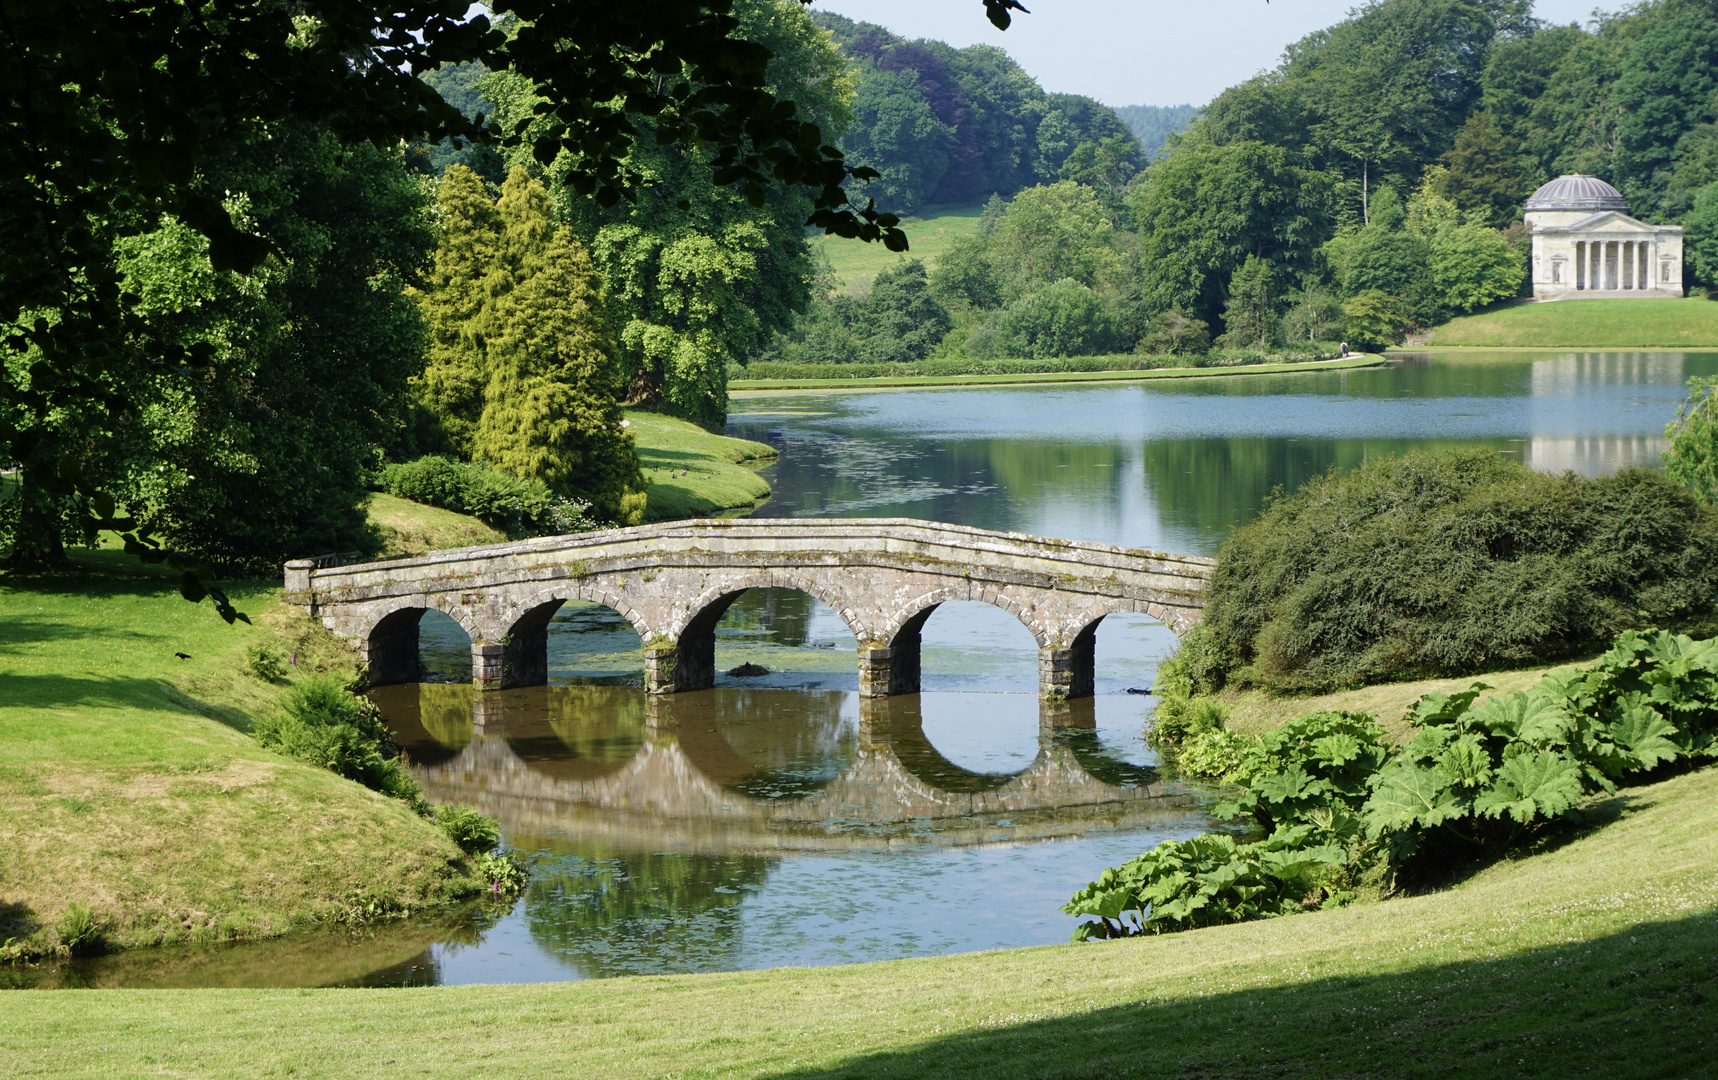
<point x="766" y="743"/>
<point x="591" y="730"/>
<point x="613" y="913"/>
<point x="775" y="616"/>
<point x="431" y="722"/>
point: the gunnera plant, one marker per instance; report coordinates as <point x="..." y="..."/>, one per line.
<point x="1444" y="564"/>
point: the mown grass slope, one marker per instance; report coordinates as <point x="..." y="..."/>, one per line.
<point x="1591" y="324"/>
<point x="1593" y="959"/>
<point x="856" y="263"/>
<point x="411" y="528"/>
<point x="128" y="784"/>
<point x="693" y="473"/>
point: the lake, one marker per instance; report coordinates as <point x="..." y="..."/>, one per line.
<point x="779" y="819"/>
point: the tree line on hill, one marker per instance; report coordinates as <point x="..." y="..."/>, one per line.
<point x="1370" y="185"/>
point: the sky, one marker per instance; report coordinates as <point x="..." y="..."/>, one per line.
<point x="1134" y="52"/>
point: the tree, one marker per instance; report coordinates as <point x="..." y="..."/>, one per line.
<point x="901" y="319"/>
<point x="1692" y="457"/>
<point x="1700" y="236"/>
<point x="1484" y="172"/>
<point x="263" y="454"/>
<point x="896" y="132"/>
<point x="1247" y="315"/>
<point x="524" y="375"/>
<point x="1105" y="166"/>
<point x="1203" y="209"/>
<point x="100" y="133"/>
<point x="1174" y="332"/>
<point x="692" y="290"/>
<point x="1375" y="321"/>
<point x="1063" y="319"/>
<point x="1050" y="233"/>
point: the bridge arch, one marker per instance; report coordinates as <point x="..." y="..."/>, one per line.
<point x="389" y="635"/>
<point x="691" y="664"/>
<point x="524" y="654"/>
<point x="896" y="665"/>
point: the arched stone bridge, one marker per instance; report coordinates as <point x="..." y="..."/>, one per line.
<point x="674" y="581"/>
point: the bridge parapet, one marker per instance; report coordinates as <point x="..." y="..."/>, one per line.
<point x="674" y="581"/>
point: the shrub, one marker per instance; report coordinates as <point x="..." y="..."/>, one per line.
<point x="324" y="724"/>
<point x="506" y="873"/>
<point x="1063" y="319"/>
<point x="1217" y="755"/>
<point x="1474" y="782"/>
<point x="1178" y="717"/>
<point x="80" y="932"/>
<point x="474" y="833"/>
<point x="520" y="508"/>
<point x="265" y="663"/>
<point x="1443" y="564"/>
<point x="1205" y="881"/>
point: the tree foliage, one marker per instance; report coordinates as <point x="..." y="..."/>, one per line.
<point x="523" y="374"/>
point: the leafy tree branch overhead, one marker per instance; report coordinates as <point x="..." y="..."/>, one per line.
<point x="113" y="105"/>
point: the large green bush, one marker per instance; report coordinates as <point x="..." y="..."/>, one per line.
<point x="1443" y="564"/>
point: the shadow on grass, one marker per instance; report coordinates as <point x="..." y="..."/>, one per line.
<point x="72" y="691"/>
<point x="21" y="630"/>
<point x="1637" y="1003"/>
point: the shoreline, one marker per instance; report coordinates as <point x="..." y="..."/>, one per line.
<point x="742" y="387"/>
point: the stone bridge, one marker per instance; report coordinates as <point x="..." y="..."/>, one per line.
<point x="674" y="581"/>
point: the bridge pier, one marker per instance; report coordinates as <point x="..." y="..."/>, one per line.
<point x="1071" y="672"/>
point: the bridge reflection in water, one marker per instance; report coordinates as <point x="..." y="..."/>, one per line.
<point x="746" y="827"/>
<point x="762" y="770"/>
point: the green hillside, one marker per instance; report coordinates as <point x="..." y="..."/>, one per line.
<point x="1589" y="324"/>
<point x="857" y="263"/>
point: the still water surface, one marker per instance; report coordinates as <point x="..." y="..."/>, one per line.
<point x="779" y="819"/>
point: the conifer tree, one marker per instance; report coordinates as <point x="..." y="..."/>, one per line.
<point x="522" y="370"/>
<point x="455" y="304"/>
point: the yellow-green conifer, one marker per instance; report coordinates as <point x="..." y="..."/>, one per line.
<point x="525" y="375"/>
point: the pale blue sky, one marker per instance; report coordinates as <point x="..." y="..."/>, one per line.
<point x="1130" y="52"/>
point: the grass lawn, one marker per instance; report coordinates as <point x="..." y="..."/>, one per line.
<point x="128" y="784"/>
<point x="409" y="528"/>
<point x="1594" y="324"/>
<point x="1593" y="959"/>
<point x="856" y="263"/>
<point x="693" y="473"/>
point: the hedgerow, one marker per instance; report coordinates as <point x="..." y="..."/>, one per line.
<point x="1442" y="564"/>
<point x="1336" y="806"/>
<point x="940" y="367"/>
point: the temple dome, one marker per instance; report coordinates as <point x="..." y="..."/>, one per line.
<point x="1577" y="192"/>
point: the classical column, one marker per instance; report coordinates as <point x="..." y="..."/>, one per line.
<point x="1646" y="264"/>
<point x="1580" y="265"/>
<point x="1612" y="257"/>
<point x="1627" y="264"/>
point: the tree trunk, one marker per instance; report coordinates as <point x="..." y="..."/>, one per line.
<point x="32" y="519"/>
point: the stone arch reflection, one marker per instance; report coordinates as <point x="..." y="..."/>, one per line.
<point x="569" y="732"/>
<point x="767" y="743"/>
<point x="897" y="723"/>
<point x="431" y="722"/>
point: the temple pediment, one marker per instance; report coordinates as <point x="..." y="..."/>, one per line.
<point x="1609" y="222"/>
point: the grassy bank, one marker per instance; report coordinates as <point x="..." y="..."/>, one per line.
<point x="856" y="264"/>
<point x="1592" y="324"/>
<point x="1588" y="960"/>
<point x="1255" y="712"/>
<point x="128" y="784"/>
<point x="740" y="387"/>
<point x="693" y="473"/>
<point x="410" y="528"/>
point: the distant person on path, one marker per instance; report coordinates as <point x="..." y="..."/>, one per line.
<point x="1345" y="350"/>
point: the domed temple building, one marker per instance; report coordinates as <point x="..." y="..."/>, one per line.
<point x="1585" y="244"/>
